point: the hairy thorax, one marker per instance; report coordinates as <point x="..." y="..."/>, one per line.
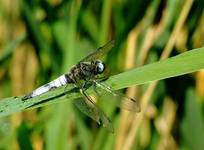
<point x="81" y="71"/>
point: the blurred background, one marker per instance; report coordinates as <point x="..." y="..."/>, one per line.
<point x="42" y="39"/>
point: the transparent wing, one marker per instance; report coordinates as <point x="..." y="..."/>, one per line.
<point x="99" y="52"/>
<point x="123" y="101"/>
<point x="88" y="107"/>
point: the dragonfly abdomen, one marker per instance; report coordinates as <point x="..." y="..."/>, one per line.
<point x="62" y="80"/>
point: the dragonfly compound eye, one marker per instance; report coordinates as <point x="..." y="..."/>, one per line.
<point x="100" y="67"/>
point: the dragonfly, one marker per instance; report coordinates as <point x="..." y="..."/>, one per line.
<point x="85" y="74"/>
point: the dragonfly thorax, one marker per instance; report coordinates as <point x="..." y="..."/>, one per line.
<point x="85" y="71"/>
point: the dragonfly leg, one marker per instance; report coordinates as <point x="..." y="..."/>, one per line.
<point x="94" y="88"/>
<point x="85" y="86"/>
<point x="86" y="95"/>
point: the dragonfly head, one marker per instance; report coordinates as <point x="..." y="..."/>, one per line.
<point x="99" y="67"/>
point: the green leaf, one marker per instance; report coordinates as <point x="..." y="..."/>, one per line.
<point x="23" y="137"/>
<point x="184" y="63"/>
<point x="192" y="125"/>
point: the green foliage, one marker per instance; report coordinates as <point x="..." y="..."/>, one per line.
<point x="192" y="123"/>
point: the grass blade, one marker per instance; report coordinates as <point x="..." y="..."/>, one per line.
<point x="184" y="63"/>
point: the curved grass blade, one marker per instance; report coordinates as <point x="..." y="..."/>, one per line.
<point x="184" y="63"/>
